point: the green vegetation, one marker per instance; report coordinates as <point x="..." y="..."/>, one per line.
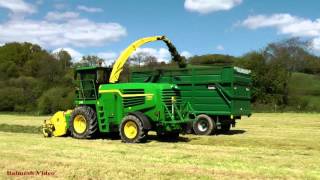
<point x="29" y="74"/>
<point x="285" y="76"/>
<point x="20" y="128"/>
<point x="272" y="71"/>
<point x="264" y="146"/>
<point x="304" y="91"/>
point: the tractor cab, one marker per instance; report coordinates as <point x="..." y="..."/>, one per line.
<point x="88" y="80"/>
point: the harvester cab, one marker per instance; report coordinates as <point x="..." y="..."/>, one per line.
<point x="132" y="109"/>
<point x="88" y="80"/>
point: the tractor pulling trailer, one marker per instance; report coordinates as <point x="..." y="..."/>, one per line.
<point x="163" y="102"/>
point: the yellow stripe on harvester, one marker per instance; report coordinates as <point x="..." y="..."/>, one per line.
<point x="124" y="95"/>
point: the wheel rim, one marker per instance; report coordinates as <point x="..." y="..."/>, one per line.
<point x="130" y="129"/>
<point x="203" y="125"/>
<point x="80" y="124"/>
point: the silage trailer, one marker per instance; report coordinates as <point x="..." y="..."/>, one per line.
<point x="219" y="95"/>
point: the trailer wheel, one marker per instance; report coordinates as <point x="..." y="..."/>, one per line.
<point x="203" y="125"/>
<point x="83" y="123"/>
<point x="131" y="130"/>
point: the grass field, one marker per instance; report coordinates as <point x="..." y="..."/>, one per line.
<point x="264" y="146"/>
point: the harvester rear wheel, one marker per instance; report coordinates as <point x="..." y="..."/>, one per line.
<point x="83" y="123"/>
<point x="131" y="130"/>
<point x="204" y="125"/>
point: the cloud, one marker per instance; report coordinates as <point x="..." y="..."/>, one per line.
<point x="76" y="55"/>
<point x="109" y="57"/>
<point x="286" y="24"/>
<point x="186" y="54"/>
<point x="89" y="9"/>
<point x="162" y="54"/>
<point x="58" y="16"/>
<point x="259" y="21"/>
<point x="220" y="47"/>
<point x="316" y="44"/>
<point x="78" y="32"/>
<point x="208" y="6"/>
<point x="17" y="6"/>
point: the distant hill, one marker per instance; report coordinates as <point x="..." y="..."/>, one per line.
<point x="304" y="90"/>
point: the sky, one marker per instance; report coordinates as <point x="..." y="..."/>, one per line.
<point x="106" y="27"/>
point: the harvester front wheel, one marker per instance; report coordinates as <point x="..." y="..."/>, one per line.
<point x="203" y="125"/>
<point x="131" y="130"/>
<point x="83" y="123"/>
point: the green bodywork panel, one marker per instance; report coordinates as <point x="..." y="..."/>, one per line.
<point x="218" y="90"/>
<point x="67" y="116"/>
<point x="160" y="102"/>
<point x="113" y="104"/>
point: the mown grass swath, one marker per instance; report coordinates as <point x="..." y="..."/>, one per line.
<point x="264" y="146"/>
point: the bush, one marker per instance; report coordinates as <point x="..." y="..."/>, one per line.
<point x="56" y="99"/>
<point x="11" y="97"/>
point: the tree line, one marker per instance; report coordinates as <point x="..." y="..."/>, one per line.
<point x="35" y="80"/>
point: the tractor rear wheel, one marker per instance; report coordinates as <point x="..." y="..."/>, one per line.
<point x="83" y="123"/>
<point x="131" y="130"/>
<point x="203" y="125"/>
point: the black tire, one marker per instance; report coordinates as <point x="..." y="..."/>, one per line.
<point x="144" y="119"/>
<point x="140" y="135"/>
<point x="91" y="122"/>
<point x="203" y="125"/>
<point x="225" y="128"/>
